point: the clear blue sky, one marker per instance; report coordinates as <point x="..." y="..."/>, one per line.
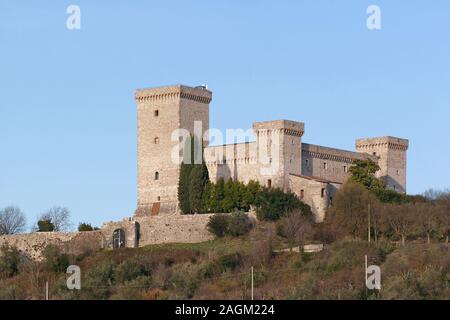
<point x="67" y="114"/>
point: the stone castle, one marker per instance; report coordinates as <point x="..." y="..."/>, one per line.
<point x="278" y="157"/>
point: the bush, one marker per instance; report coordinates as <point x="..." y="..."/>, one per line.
<point x="218" y="225"/>
<point x="55" y="261"/>
<point x="45" y="226"/>
<point x="235" y="224"/>
<point x="274" y="203"/>
<point x="82" y="227"/>
<point x="238" y="224"/>
<point x="10" y="261"/>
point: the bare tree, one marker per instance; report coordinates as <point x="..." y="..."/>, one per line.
<point x="59" y="217"/>
<point x="427" y="218"/>
<point x="400" y="219"/>
<point x="295" y="227"/>
<point x="12" y="220"/>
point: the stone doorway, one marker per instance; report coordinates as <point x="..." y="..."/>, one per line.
<point x="118" y="238"/>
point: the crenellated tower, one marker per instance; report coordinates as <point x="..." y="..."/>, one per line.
<point x="391" y="154"/>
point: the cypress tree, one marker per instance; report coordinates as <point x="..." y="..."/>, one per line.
<point x="183" y="188"/>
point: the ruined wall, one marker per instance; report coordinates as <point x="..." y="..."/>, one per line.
<point x="32" y="244"/>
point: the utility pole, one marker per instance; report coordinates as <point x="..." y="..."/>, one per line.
<point x="368" y="223"/>
<point x="46" y="290"/>
<point x="252" y="282"/>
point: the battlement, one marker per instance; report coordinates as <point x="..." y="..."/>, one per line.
<point x="199" y="94"/>
<point x="288" y="127"/>
<point x="388" y="142"/>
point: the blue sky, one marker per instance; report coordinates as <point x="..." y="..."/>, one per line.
<point x="67" y="114"/>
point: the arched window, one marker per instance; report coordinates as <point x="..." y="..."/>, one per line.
<point x="118" y="238"/>
<point x="156" y="113"/>
<point x="156" y="140"/>
<point x="156" y="175"/>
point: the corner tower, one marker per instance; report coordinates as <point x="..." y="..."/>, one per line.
<point x="160" y="112"/>
<point x="391" y="153"/>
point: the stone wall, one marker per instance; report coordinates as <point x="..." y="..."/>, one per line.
<point x="31" y="245"/>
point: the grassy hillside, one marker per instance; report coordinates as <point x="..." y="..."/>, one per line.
<point x="221" y="269"/>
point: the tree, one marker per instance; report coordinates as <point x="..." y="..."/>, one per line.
<point x="82" y="227"/>
<point x="198" y="179"/>
<point x="427" y="219"/>
<point x="12" y="220"/>
<point x="59" y="217"/>
<point x="218" y="224"/>
<point x="295" y="226"/>
<point x="45" y="226"/>
<point x="400" y="220"/>
<point x="183" y="188"/>
<point x="363" y="172"/>
<point x="350" y="210"/>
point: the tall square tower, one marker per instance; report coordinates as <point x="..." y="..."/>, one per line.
<point x="161" y="112"/>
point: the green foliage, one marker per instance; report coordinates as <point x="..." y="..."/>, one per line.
<point x="274" y="203"/>
<point x="363" y="172"/>
<point x="55" y="260"/>
<point x="82" y="227"/>
<point x="234" y="224"/>
<point x="198" y="180"/>
<point x="45" y="226"/>
<point x="130" y="270"/>
<point x="238" y="224"/>
<point x="193" y="180"/>
<point x="218" y="224"/>
<point x="10" y="261"/>
<point x="183" y="188"/>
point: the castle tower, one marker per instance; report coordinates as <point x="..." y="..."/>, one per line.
<point x="391" y="153"/>
<point x="278" y="151"/>
<point x="160" y="112"/>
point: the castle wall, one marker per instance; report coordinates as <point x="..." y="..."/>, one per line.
<point x="329" y="163"/>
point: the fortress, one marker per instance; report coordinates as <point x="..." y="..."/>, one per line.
<point x="278" y="157"/>
<point x="166" y="116"/>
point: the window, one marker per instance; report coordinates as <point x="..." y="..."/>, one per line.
<point x="302" y="194"/>
<point x="269" y="183"/>
<point x="345" y="169"/>
<point x="394" y="187"/>
<point x="156" y="175"/>
<point x="331" y="201"/>
<point x="307" y="163"/>
<point x="158" y="198"/>
<point x="156" y="113"/>
<point x="374" y="153"/>
<point x="322" y="193"/>
<point x="325" y="165"/>
<point x="156" y="140"/>
<point x="398" y="172"/>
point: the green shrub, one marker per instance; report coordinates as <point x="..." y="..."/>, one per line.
<point x="235" y="224"/>
<point x="82" y="227"/>
<point x="55" y="260"/>
<point x="10" y="260"/>
<point x="218" y="225"/>
<point x="129" y="270"/>
<point x="238" y="224"/>
<point x="45" y="226"/>
<point x="274" y="203"/>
